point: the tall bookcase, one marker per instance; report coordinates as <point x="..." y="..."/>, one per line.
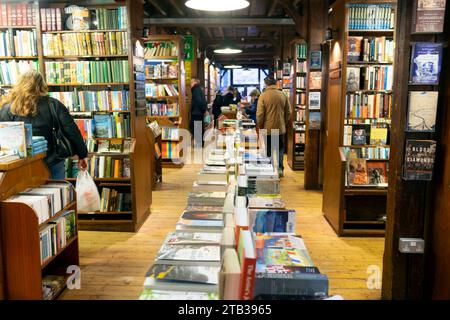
<point x="167" y="52"/>
<point x="127" y="78"/>
<point x="296" y="131"/>
<point x="22" y="270"/>
<point x="353" y="204"/>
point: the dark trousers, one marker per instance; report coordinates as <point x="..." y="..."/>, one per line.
<point x="272" y="150"/>
<point x="199" y="138"/>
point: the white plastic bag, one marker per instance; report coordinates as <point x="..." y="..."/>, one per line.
<point x="88" y="198"/>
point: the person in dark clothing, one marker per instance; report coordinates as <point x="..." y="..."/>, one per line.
<point x="237" y="97"/>
<point x="216" y="107"/>
<point x="251" y="109"/>
<point x="28" y="101"/>
<point x="198" y="109"/>
<point x="228" y="97"/>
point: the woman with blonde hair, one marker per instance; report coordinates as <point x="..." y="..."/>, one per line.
<point x="28" y="101"/>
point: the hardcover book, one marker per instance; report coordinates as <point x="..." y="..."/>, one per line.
<point x="270" y="221"/>
<point x="354" y="48"/>
<point x="428" y="16"/>
<point x="188" y="254"/>
<point x="377" y="173"/>
<point x="13" y="139"/>
<point x="419" y="159"/>
<point x="315" y="80"/>
<point x="197" y="238"/>
<point x="316" y="60"/>
<point x="426" y="60"/>
<point x="201" y="215"/>
<point x="247" y="260"/>
<point x="422" y="111"/>
<point x="353" y="79"/>
<point x="179" y="273"/>
<point x="360" y="134"/>
<point x="357" y="172"/>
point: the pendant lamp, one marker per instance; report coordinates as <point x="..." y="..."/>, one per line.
<point x="217" y="5"/>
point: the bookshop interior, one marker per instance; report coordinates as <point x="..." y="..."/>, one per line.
<point x="225" y="150"/>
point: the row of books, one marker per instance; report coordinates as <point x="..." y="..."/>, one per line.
<point x="156" y="71"/>
<point x="88" y="101"/>
<point x="85" y="72"/>
<point x="18" y="43"/>
<point x="39" y="145"/>
<point x="370" y="17"/>
<point x="55" y="235"/>
<point x="169" y="133"/>
<point x="111" y="18"/>
<point x="300" y="98"/>
<point x="370" y="78"/>
<point x="51" y="19"/>
<point x="119" y="146"/>
<point x="161" y="90"/>
<point x="164" y="109"/>
<point x="113" y="201"/>
<point x="301" y="82"/>
<point x="85" y="44"/>
<point x="377" y="49"/>
<point x="101" y="167"/>
<point x="363" y="105"/>
<point x="46" y="200"/>
<point x="161" y="49"/>
<point x="170" y="150"/>
<point x="300" y="137"/>
<point x="302" y="51"/>
<point x="300" y="115"/>
<point x="366" y="134"/>
<point x="10" y="71"/>
<point x="378" y="153"/>
<point x="17" y="14"/>
<point x="105" y="126"/>
<point x="302" y="66"/>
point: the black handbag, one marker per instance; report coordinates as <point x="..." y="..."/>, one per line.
<point x="63" y="146"/>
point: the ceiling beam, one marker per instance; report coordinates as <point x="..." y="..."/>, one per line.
<point x="222" y="33"/>
<point x="208" y="32"/>
<point x="177" y="7"/>
<point x="219" y="21"/>
<point x="158" y="7"/>
<point x="272" y="8"/>
<point x="291" y="10"/>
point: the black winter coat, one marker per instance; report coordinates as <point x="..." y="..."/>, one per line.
<point x="42" y="126"/>
<point x="228" y="99"/>
<point x="198" y="104"/>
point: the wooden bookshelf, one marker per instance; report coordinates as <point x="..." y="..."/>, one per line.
<point x="139" y="183"/>
<point x="180" y="121"/>
<point x="350" y="210"/>
<point x="21" y="269"/>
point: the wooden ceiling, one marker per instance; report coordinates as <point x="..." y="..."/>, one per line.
<point x="257" y="29"/>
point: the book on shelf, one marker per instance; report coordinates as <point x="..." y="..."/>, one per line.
<point x="301" y="81"/>
<point x="315" y="62"/>
<point x="301" y="66"/>
<point x="158" y="71"/>
<point x="357" y="172"/>
<point x="156" y="49"/>
<point x="379" y="134"/>
<point x="370" y="49"/>
<point x="51" y="19"/>
<point x="315" y="120"/>
<point x="370" y="78"/>
<point x="169" y="133"/>
<point x="353" y="79"/>
<point x="360" y="134"/>
<point x="85" y="43"/>
<point x="10" y="71"/>
<point x="315" y="80"/>
<point x="377" y="172"/>
<point x="111" y="126"/>
<point x="428" y="16"/>
<point x="161" y="90"/>
<point x="150" y="294"/>
<point x="156" y="128"/>
<point x="377" y="153"/>
<point x="17" y="14"/>
<point x="314" y="100"/>
<point x="111" y="18"/>
<point x="206" y="255"/>
<point x="265" y="201"/>
<point x="272" y="220"/>
<point x="247" y="260"/>
<point x="89" y="101"/>
<point x="18" y="43"/>
<point x="182" y="278"/>
<point x="113" y="201"/>
<point x="422" y="111"/>
<point x="302" y="51"/>
<point x="230" y="276"/>
<point x="370" y="17"/>
<point x="300" y="98"/>
<point x="13" y="139"/>
<point x="86" y="72"/>
<point x="426" y="61"/>
<point x="368" y="105"/>
<point x="101" y="167"/>
<point x="170" y="149"/>
<point x="164" y="109"/>
<point x="193" y="238"/>
<point x="419" y="159"/>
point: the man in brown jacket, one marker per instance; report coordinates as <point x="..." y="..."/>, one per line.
<point x="273" y="114"/>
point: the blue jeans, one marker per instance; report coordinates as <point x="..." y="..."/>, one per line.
<point x="58" y="171"/>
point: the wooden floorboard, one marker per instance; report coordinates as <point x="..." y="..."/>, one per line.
<point x="113" y="265"/>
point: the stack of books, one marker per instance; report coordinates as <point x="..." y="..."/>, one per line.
<point x="39" y="145"/>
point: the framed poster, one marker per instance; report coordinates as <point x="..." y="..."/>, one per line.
<point x="316" y="60"/>
<point x="422" y="111"/>
<point x="426" y="61"/>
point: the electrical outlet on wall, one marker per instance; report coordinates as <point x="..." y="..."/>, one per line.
<point x="411" y="245"/>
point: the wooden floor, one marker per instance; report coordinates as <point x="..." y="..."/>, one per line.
<point x="113" y="265"/>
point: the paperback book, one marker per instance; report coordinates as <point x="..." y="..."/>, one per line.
<point x="419" y="159"/>
<point x="422" y="111"/>
<point x="188" y="254"/>
<point x="426" y="60"/>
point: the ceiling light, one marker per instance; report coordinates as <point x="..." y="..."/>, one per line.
<point x="232" y="66"/>
<point x="227" y="47"/>
<point x="217" y="5"/>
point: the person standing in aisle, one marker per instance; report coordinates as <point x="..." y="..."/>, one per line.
<point x="216" y="107"/>
<point x="28" y="101"/>
<point x="251" y="109"/>
<point x="272" y="115"/>
<point x="198" y="109"/>
<point x="228" y="97"/>
<point x="236" y="96"/>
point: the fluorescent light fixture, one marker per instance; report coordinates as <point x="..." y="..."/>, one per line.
<point x="217" y="5"/>
<point x="233" y="66"/>
<point x="227" y="47"/>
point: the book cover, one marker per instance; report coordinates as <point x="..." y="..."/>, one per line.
<point x="189" y="253"/>
<point x="357" y="171"/>
<point x="247" y="259"/>
<point x="270" y="221"/>
<point x="354" y="48"/>
<point x="426" y="60"/>
<point x="180" y="273"/>
<point x="269" y="201"/>
<point x="150" y="294"/>
<point x="185" y="237"/>
<point x="314" y="100"/>
<point x="315" y="80"/>
<point x="419" y="159"/>
<point x="200" y="215"/>
<point x="115" y="145"/>
<point x="377" y="172"/>
<point x="353" y="79"/>
<point x="360" y="134"/>
<point x="316" y="60"/>
<point x="422" y="111"/>
<point x="13" y="139"/>
<point x="103" y="146"/>
<point x="379" y="134"/>
<point x="428" y="16"/>
<point x="102" y="125"/>
<point x="315" y="120"/>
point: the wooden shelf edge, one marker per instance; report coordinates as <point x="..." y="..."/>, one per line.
<point x="21" y="162"/>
